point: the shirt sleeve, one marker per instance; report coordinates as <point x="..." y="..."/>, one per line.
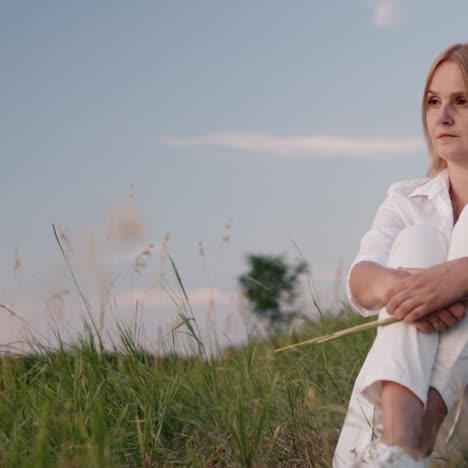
<point x="377" y="243"/>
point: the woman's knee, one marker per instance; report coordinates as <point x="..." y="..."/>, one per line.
<point x="418" y="246"/>
<point x="458" y="246"/>
<point x="424" y="233"/>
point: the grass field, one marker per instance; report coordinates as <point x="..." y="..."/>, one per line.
<point x="88" y="405"/>
<point x="82" y="406"/>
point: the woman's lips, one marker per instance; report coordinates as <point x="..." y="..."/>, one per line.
<point x="446" y="135"/>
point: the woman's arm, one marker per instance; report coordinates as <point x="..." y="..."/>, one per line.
<point x="375" y="286"/>
<point x="428" y="290"/>
<point x="371" y="282"/>
<point x="368" y="278"/>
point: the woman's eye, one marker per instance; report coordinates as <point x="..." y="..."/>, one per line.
<point x="461" y="101"/>
<point x="432" y="101"/>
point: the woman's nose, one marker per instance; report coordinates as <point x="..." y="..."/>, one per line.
<point x="445" y="115"/>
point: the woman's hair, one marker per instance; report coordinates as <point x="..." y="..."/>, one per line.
<point x="457" y="53"/>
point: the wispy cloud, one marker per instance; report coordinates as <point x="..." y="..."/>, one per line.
<point x="196" y="296"/>
<point x="385" y="12"/>
<point x="304" y="146"/>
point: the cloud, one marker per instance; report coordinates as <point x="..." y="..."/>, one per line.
<point x="385" y="12"/>
<point x="304" y="146"/>
<point x="197" y="296"/>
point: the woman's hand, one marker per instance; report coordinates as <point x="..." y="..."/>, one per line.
<point x="434" y="289"/>
<point x="442" y="319"/>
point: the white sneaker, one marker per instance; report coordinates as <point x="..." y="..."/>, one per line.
<point x="380" y="455"/>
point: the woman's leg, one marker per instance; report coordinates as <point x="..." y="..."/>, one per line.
<point x="400" y="353"/>
<point x="401" y="358"/>
<point x="436" y="411"/>
<point x="397" y="382"/>
<point x="450" y="373"/>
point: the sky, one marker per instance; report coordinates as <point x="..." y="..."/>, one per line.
<point x="206" y="131"/>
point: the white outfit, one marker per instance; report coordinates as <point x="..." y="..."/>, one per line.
<point x="412" y="228"/>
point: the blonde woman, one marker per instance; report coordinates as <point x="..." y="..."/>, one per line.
<point x="413" y="264"/>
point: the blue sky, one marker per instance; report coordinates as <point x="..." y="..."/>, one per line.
<point x="241" y="125"/>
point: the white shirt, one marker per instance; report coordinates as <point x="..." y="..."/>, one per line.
<point x="408" y="203"/>
<point x="423" y="201"/>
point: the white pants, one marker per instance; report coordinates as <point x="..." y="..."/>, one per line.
<point x="402" y="354"/>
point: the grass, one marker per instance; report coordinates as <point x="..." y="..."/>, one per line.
<point x="82" y="406"/>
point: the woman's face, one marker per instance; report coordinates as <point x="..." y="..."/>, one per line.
<point x="447" y="113"/>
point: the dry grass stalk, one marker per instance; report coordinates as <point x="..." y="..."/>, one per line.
<point x="18" y="263"/>
<point x="125" y="223"/>
<point x="132" y="190"/>
<point x="141" y="259"/>
<point x="66" y="242"/>
<point x="339" y="334"/>
<point x="227" y="236"/>
<point x="55" y="303"/>
<point x="90" y="241"/>
<point x="164" y="255"/>
<point x="201" y="250"/>
<point x="347" y="331"/>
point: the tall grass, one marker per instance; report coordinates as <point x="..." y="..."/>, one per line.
<point x="79" y="405"/>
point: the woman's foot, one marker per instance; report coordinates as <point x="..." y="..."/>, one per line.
<point x="380" y="455"/>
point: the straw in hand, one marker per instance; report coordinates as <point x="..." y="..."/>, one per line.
<point x="339" y="334"/>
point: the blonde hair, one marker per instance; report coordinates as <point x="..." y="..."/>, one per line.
<point x="457" y="53"/>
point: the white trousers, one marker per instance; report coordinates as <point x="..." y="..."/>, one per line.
<point x="402" y="354"/>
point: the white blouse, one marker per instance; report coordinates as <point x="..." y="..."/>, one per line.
<point x="416" y="201"/>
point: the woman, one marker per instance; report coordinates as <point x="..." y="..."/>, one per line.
<point x="413" y="265"/>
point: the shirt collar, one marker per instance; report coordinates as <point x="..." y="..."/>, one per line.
<point x="433" y="186"/>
